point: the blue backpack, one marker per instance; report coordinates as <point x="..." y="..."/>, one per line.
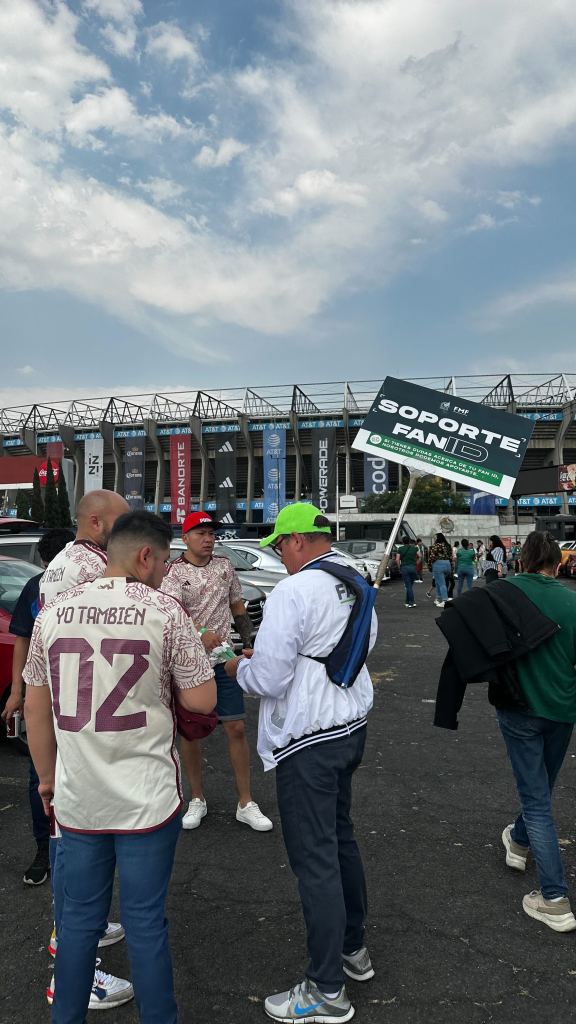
<point x="345" y="661"/>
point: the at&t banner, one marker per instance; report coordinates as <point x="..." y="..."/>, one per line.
<point x="180" y="476"/>
<point x="324" y="468"/>
<point x="274" y="469"/>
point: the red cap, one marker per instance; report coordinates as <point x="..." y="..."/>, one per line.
<point x="195" y="519"/>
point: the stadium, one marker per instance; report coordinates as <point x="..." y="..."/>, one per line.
<point x="223" y="460"/>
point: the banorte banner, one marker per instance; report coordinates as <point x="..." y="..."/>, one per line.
<point x="134" y="462"/>
<point x="93" y="464"/>
<point x="225" y="478"/>
<point x="324" y="468"/>
<point x="274" y="468"/>
<point x="180" y="476"/>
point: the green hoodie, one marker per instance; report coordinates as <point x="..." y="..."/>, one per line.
<point x="548" y="675"/>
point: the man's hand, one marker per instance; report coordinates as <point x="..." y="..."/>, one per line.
<point x="46" y="791"/>
<point x="230" y="667"/>
<point x="14" y="703"/>
<point x="247" y="652"/>
<point x="210" y="639"/>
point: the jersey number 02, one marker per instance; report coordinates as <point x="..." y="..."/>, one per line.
<point x="106" y="719"/>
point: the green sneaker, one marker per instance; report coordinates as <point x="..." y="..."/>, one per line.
<point x="306" y="1003"/>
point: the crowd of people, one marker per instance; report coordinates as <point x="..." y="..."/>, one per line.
<point x="116" y="639"/>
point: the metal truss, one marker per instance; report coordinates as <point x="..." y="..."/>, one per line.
<point x="526" y="391"/>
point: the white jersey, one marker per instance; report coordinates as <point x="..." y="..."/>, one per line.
<point x="79" y="562"/>
<point x="306" y="614"/>
<point x="112" y="651"/>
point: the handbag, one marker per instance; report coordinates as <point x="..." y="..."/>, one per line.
<point x="192" y="725"/>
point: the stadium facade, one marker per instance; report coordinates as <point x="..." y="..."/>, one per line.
<point x="235" y="424"/>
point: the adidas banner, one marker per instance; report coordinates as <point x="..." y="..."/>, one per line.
<point x="93" y="464"/>
<point x="134" y="457"/>
<point x="274" y="469"/>
<point x="375" y="474"/>
<point x="324" y="468"/>
<point x="225" y="478"/>
<point x="180" y="474"/>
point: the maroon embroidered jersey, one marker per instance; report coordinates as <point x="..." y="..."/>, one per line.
<point x="206" y="591"/>
<point x="79" y="562"/>
<point x="112" y="651"/>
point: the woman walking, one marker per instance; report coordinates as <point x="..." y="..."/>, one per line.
<point x="537" y="738"/>
<point x="406" y="559"/>
<point x="496" y="560"/>
<point x="440" y="562"/>
<point x="465" y="560"/>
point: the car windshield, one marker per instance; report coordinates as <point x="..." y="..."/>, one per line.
<point x="13" y="577"/>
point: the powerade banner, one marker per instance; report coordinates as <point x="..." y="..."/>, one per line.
<point x="324" y="468"/>
<point x="375" y="474"/>
<point x="93" y="464"/>
<point x="225" y="478"/>
<point x="482" y="503"/>
<point x="134" y="472"/>
<point x="446" y="436"/>
<point x="274" y="468"/>
<point x="180" y="476"/>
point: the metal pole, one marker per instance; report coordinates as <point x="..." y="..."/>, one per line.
<point x="415" y="476"/>
<point x="337" y="499"/>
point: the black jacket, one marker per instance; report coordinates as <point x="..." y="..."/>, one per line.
<point x="487" y="629"/>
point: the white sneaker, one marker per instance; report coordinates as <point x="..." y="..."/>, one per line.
<point x="439" y="604"/>
<point x="252" y="815"/>
<point x="107" y="991"/>
<point x="516" y="855"/>
<point x="197" y="810"/>
<point x="114" y="933"/>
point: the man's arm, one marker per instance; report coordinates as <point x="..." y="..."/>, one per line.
<point x="270" y="670"/>
<point x="41" y="739"/>
<point x="193" y="679"/>
<point x="15" y="701"/>
<point x="242" y="622"/>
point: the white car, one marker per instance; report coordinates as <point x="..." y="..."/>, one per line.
<point x="259" y="558"/>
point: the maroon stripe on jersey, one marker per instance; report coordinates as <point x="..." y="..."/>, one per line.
<point x="123" y="831"/>
<point x="93" y="547"/>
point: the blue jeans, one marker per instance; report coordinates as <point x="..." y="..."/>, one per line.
<point x="144" y="862"/>
<point x="409" y="574"/>
<point x="465" y="572"/>
<point x="536" y="748"/>
<point x="441" y="568"/>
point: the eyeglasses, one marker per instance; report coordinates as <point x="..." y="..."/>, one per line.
<point x="277" y="546"/>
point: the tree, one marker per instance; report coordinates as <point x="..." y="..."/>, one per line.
<point x="23" y="502"/>
<point x="37" y="506"/>
<point x="63" y="501"/>
<point x="51" y="509"/>
<point x="432" y="495"/>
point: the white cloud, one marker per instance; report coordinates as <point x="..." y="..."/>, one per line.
<point x="313" y="188"/>
<point x="25" y="370"/>
<point x="167" y="41"/>
<point x="112" y="110"/>
<point x="510" y="200"/>
<point x="162" y="190"/>
<point x="227" y="150"/>
<point x="557" y="291"/>
<point x="120" y="31"/>
<point x="431" y="210"/>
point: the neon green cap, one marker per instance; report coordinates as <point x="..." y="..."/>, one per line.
<point x="297" y="518"/>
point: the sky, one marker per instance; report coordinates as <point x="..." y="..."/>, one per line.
<point x="213" y="193"/>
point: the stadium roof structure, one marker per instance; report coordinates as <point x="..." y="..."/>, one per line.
<point x="514" y="391"/>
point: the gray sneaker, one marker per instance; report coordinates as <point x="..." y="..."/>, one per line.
<point x="306" y="1003"/>
<point x="557" y="914"/>
<point x="516" y="855"/>
<point x="358" y="965"/>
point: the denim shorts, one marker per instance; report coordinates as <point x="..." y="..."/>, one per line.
<point x="230" y="697"/>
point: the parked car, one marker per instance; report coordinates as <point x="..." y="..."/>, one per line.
<point x="14" y="574"/>
<point x="253" y="594"/>
<point x="21" y="542"/>
<point x="257" y="557"/>
<point x="370" y="552"/>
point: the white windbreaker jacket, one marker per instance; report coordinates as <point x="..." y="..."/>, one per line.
<point x="305" y="614"/>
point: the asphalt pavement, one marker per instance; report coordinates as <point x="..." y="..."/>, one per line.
<point x="447" y="934"/>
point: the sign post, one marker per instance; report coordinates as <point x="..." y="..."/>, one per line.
<point x="415" y="476"/>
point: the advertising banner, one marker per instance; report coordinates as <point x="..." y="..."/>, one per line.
<point x="274" y="469"/>
<point x="134" y="461"/>
<point x="375" y="474"/>
<point x="225" y="479"/>
<point x="445" y="436"/>
<point x="324" y="468"/>
<point x="482" y="503"/>
<point x="180" y="476"/>
<point x="567" y="477"/>
<point x="93" y="464"/>
<point x="55" y="451"/>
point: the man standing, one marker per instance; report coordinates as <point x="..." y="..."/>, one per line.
<point x="313" y="732"/>
<point x="106" y="662"/>
<point x="21" y="626"/>
<point x="210" y="591"/>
